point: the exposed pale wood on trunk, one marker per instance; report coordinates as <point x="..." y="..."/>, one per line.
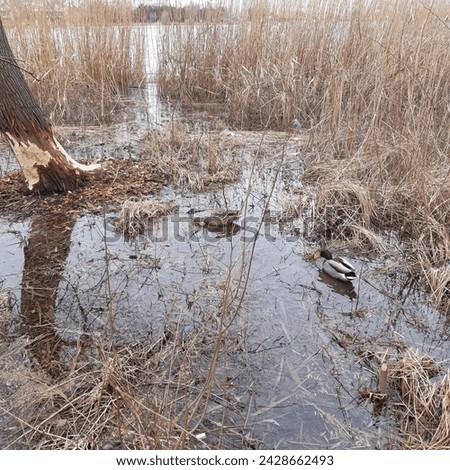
<point x="46" y="165"/>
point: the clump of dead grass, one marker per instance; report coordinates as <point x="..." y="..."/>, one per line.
<point x="292" y="205"/>
<point x="438" y="280"/>
<point x="136" y="216"/>
<point x="6" y="312"/>
<point x="98" y="405"/>
<point x="195" y="161"/>
<point x="436" y="273"/>
<point x="413" y="391"/>
<point x="420" y="404"/>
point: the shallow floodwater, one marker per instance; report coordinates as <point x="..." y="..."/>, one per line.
<point x="305" y="340"/>
<point x="301" y="331"/>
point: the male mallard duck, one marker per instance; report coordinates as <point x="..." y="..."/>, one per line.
<point x="338" y="267"/>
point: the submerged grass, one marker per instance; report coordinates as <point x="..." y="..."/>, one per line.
<point x="79" y="58"/>
<point x="368" y="81"/>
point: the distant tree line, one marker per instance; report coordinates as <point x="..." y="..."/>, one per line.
<point x="140" y="14"/>
<point x="169" y="14"/>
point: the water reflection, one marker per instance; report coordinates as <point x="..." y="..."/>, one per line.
<point x="45" y="256"/>
<point x="343" y="288"/>
<point x="297" y="345"/>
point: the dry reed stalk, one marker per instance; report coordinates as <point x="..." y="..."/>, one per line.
<point x="383" y="378"/>
<point x="85" y="55"/>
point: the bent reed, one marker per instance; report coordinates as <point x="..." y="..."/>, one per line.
<point x="78" y="57"/>
<point x="369" y="82"/>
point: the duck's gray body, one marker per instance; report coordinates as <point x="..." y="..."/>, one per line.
<point x="339" y="267"/>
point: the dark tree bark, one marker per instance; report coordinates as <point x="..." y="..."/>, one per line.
<point x="45" y="164"/>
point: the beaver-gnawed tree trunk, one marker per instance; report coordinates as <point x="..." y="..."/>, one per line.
<point x="46" y="165"/>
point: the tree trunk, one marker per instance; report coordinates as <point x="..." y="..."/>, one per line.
<point x="45" y="164"/>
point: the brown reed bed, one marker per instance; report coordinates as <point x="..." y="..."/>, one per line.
<point x="368" y="82"/>
<point x="413" y="394"/>
<point x="79" y="59"/>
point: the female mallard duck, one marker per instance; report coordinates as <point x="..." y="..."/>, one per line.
<point x="338" y="267"/>
<point x="219" y="220"/>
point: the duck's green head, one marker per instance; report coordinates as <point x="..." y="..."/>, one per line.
<point x="326" y="254"/>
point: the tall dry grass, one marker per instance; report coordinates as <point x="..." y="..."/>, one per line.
<point x="81" y="56"/>
<point x="369" y="81"/>
<point x="418" y="397"/>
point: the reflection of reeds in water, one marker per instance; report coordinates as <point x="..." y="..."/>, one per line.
<point x="84" y="56"/>
<point x="170" y="390"/>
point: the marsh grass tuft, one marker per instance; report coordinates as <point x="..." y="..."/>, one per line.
<point x="192" y="160"/>
<point x="420" y="402"/>
<point x="136" y="216"/>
